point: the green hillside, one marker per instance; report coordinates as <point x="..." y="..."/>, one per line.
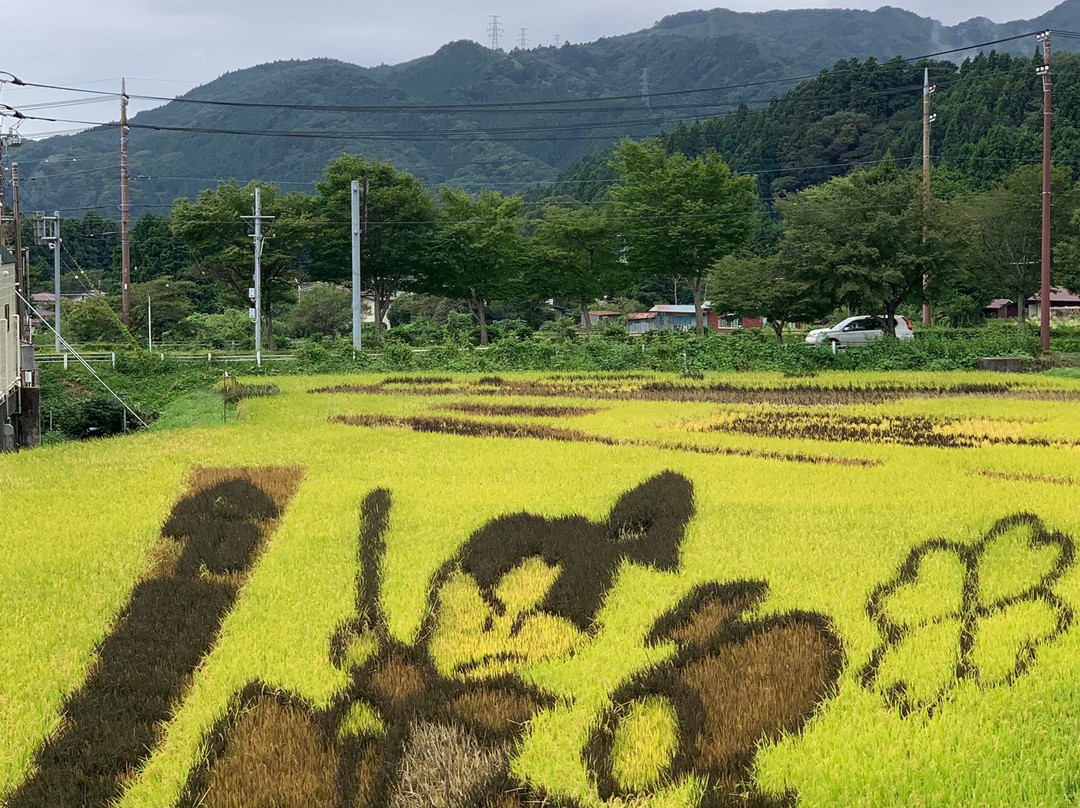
<point x="746" y="55"/>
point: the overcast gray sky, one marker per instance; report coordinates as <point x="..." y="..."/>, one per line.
<point x="166" y="47"/>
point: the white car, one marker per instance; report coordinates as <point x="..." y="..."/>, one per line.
<point x="858" y="330"/>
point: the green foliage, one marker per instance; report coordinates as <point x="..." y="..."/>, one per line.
<point x="231" y="330"/>
<point x="214" y="229"/>
<point x="870" y="238"/>
<point x="1008" y="223"/>
<point x="323" y="309"/>
<point x="400" y="221"/>
<point x="766" y="287"/>
<point x="574" y="254"/>
<point x="155" y="249"/>
<point x="679" y="216"/>
<point x="476" y="253"/>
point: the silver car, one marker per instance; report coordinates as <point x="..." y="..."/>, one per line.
<point x="858" y="330"/>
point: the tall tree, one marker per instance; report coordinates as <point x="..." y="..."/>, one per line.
<point x="213" y="228"/>
<point x="679" y="216"/>
<point x="574" y="254"/>
<point x="868" y="238"/>
<point x="156" y="250"/>
<point x="767" y="287"/>
<point x="1007" y="223"/>
<point x="400" y="221"/>
<point x="476" y="253"/>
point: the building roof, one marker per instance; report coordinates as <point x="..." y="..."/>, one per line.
<point x="1060" y="295"/>
<point x="998" y="303"/>
<point x="667" y="309"/>
<point x="642" y="315"/>
<point x="605" y="313"/>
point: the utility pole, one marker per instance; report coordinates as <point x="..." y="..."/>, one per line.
<point x="22" y="280"/>
<point x="125" y="213"/>
<point x="1044" y="287"/>
<point x="359" y="200"/>
<point x="47" y="230"/>
<point x="357" y="301"/>
<point x="494" y="29"/>
<point x="927" y="119"/>
<point x="257" y="296"/>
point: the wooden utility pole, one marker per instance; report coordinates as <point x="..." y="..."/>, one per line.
<point x="357" y="300"/>
<point x="927" y="119"/>
<point x="125" y="212"/>
<point x="1044" y="286"/>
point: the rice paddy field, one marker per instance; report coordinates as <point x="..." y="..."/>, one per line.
<point x="560" y="589"/>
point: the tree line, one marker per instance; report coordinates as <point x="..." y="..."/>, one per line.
<point x="670" y="224"/>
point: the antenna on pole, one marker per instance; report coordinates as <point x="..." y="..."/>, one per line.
<point x="494" y="29"/>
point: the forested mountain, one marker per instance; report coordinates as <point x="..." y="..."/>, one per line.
<point x="988" y="122"/>
<point x="447" y="136"/>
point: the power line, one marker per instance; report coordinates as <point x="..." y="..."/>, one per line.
<point x="497" y="105"/>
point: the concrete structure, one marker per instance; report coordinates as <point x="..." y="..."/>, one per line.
<point x="20" y="396"/>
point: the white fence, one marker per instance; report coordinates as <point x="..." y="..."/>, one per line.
<point x="9" y="332"/>
<point x="67" y="359"/>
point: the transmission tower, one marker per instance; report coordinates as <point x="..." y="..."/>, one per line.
<point x="558" y="40"/>
<point x="494" y="29"/>
<point x="523" y="38"/>
<point x="645" y="87"/>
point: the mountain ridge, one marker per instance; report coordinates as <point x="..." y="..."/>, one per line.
<point x="749" y="55"/>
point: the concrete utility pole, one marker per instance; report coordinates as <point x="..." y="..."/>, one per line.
<point x="927" y="120"/>
<point x="257" y="297"/>
<point x="1044" y="287"/>
<point x="125" y="213"/>
<point x="359" y="236"/>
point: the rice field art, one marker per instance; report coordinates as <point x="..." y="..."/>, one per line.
<point x="573" y="590"/>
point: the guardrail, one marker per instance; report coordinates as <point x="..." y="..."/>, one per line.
<point x="209" y="357"/>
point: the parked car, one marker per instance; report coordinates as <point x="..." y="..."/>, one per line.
<point x="858" y="330"/>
